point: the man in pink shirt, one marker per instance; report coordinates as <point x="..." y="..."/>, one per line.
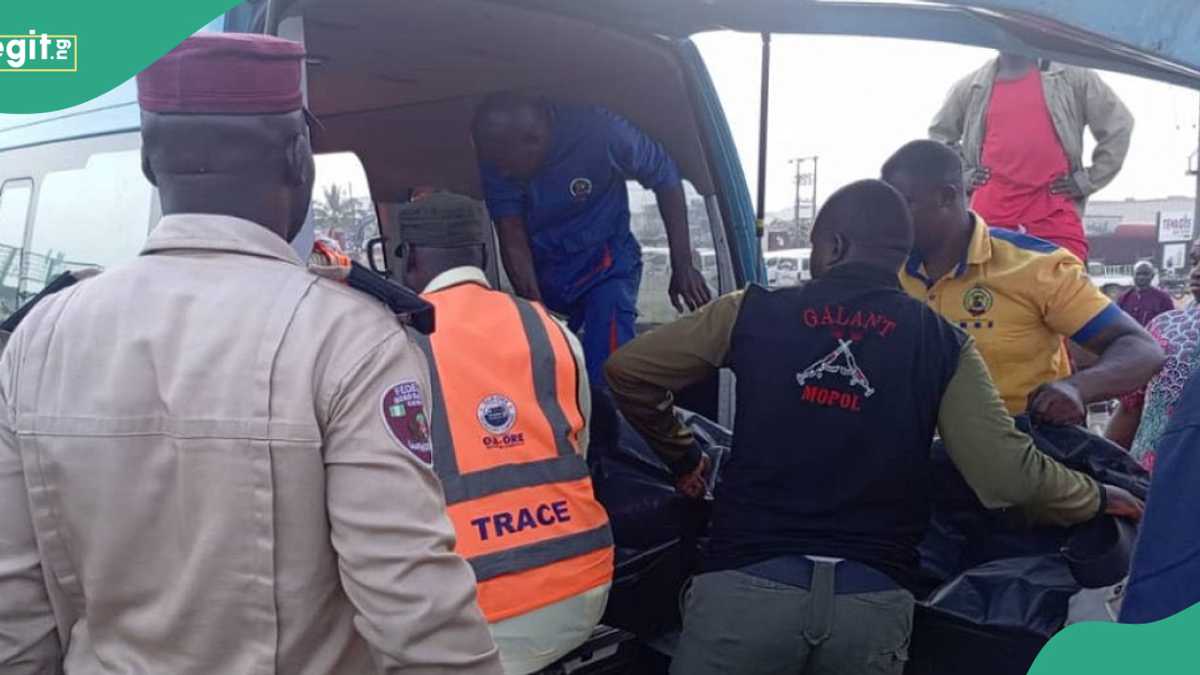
<point x="1019" y="127"/>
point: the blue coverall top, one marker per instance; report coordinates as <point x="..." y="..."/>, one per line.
<point x="576" y="209"/>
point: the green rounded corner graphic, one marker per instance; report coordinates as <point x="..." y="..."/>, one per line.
<point x="1165" y="647"/>
<point x="54" y="55"/>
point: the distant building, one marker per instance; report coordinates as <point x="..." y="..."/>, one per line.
<point x="1124" y="232"/>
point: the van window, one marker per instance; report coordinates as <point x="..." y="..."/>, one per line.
<point x="15" y="196"/>
<point x="342" y="209"/>
<point x="96" y="216"/>
<point x="654" y="306"/>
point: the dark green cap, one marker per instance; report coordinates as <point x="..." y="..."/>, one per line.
<point x="442" y="220"/>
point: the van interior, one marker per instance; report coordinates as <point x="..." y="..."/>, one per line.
<point x="396" y="83"/>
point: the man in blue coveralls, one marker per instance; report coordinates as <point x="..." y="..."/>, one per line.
<point x="554" y="180"/>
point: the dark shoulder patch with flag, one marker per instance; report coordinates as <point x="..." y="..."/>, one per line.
<point x="405" y="418"/>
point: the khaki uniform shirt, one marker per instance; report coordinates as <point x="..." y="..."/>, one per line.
<point x="999" y="462"/>
<point x="197" y="476"/>
<point x="1076" y="98"/>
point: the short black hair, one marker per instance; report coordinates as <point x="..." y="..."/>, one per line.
<point x="502" y="103"/>
<point x="929" y="161"/>
<point x="872" y="215"/>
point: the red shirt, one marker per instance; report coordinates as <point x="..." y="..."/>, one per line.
<point x="1022" y="150"/>
<point x="1143" y="306"/>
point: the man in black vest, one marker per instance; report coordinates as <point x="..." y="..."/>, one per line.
<point x="841" y="385"/>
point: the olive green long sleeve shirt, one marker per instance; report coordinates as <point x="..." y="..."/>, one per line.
<point x="998" y="461"/>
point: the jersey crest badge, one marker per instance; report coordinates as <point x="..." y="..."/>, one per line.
<point x="581" y="189"/>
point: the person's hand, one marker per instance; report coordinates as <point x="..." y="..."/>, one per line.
<point x="692" y="484"/>
<point x="1065" y="185"/>
<point x="688" y="289"/>
<point x="1057" y="403"/>
<point x="1121" y="503"/>
<point x="979" y="178"/>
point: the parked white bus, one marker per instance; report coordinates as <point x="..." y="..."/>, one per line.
<point x="788" y="267"/>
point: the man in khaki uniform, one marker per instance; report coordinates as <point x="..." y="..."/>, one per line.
<point x="208" y="456"/>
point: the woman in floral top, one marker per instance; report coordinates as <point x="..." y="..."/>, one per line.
<point x="1178" y="332"/>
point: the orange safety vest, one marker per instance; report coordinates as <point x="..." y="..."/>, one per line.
<point x="505" y="430"/>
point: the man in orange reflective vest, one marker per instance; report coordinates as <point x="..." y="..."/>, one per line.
<point x="510" y="433"/>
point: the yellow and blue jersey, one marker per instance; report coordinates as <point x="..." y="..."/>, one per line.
<point x="1018" y="296"/>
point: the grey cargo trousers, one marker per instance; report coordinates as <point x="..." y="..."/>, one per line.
<point x="738" y="624"/>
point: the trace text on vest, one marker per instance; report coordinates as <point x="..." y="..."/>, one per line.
<point x="507" y="522"/>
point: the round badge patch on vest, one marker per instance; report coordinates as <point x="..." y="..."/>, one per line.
<point x="497" y="414"/>
<point x="581" y="189"/>
<point x="978" y="301"/>
<point x="405" y="419"/>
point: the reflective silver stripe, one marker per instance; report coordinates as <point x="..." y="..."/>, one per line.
<point x="463" y="488"/>
<point x="567" y="466"/>
<point x="545" y="374"/>
<point x="540" y="554"/>
<point x="445" y="463"/>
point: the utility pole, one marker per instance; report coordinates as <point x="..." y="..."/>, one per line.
<point x="815" y="159"/>
<point x="799" y="180"/>
<point x="796" y="204"/>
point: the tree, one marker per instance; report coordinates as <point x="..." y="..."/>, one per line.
<point x="348" y="219"/>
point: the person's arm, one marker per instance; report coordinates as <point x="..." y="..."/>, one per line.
<point x="687" y="286"/>
<point x="1001" y="464"/>
<point x="1112" y="127"/>
<point x="29" y="641"/>
<point x="645" y="373"/>
<point x="414" y="597"/>
<point x="517" y="257"/>
<point x="640" y="157"/>
<point x="948" y="126"/>
<point x="1124" y="423"/>
<point x="505" y="201"/>
<point x="1127" y="357"/>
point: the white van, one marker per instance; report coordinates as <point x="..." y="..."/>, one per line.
<point x="788" y="267"/>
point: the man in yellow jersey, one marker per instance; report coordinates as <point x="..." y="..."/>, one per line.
<point x="1017" y="295"/>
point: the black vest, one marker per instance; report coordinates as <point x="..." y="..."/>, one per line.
<point x="838" y="389"/>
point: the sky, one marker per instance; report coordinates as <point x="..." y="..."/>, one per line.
<point x="854" y="100"/>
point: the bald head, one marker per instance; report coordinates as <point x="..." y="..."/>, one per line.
<point x="513" y="132"/>
<point x="929" y="175"/>
<point x="223" y="130"/>
<point x="1143" y="274"/>
<point x="256" y="167"/>
<point x="864" y="222"/>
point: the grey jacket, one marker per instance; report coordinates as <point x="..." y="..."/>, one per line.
<point x="1076" y="97"/>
